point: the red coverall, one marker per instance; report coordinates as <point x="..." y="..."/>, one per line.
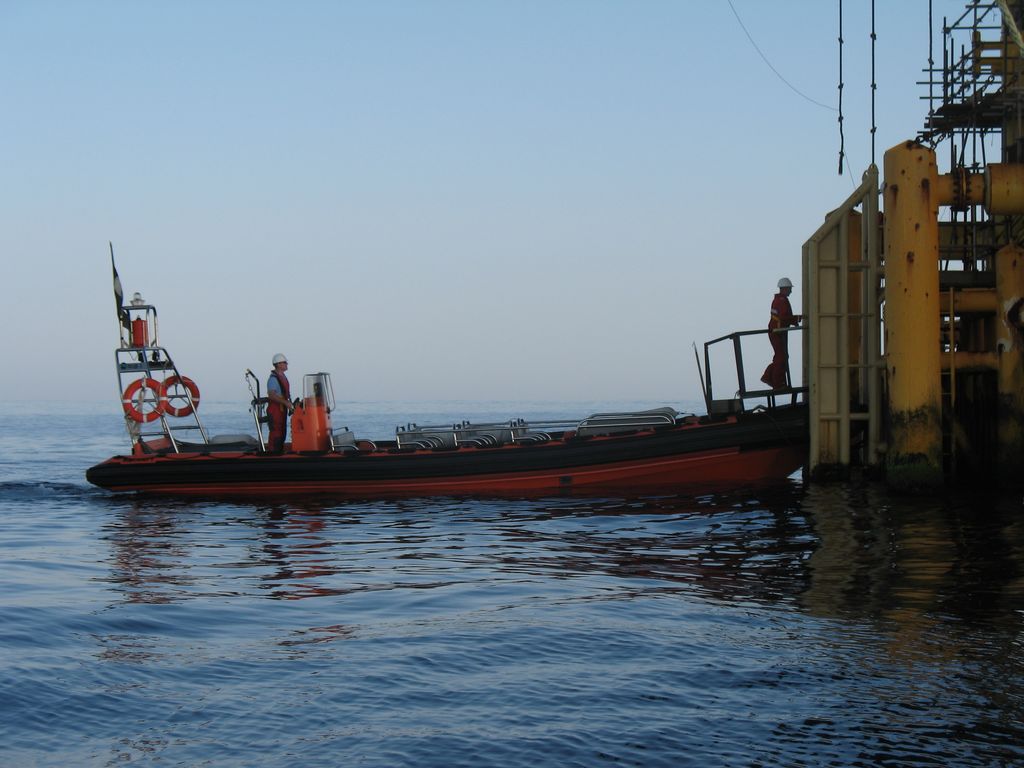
<point x="782" y="317"/>
<point x="278" y="416"/>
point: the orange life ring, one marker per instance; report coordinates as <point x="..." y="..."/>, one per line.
<point x="135" y="399"/>
<point x="166" y="396"/>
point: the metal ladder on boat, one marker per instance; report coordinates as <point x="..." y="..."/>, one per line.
<point x="140" y="358"/>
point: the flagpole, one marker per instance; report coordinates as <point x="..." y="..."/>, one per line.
<point x="122" y="314"/>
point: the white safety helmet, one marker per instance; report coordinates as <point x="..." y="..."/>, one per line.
<point x="279" y="358"/>
<point x="785" y="282"/>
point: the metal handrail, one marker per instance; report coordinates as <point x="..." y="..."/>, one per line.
<point x="743" y="393"/>
<point x="624" y="421"/>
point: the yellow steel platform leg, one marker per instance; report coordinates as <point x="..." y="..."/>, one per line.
<point x="1010" y="345"/>
<point x="912" y="333"/>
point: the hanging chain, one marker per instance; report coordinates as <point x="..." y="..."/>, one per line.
<point x="874" y="86"/>
<point x="842" y="138"/>
<point x="931" y="75"/>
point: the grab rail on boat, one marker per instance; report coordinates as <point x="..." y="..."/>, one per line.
<point x="608" y="423"/>
<point x="431" y="436"/>
<point x="519" y="431"/>
<point x="478" y="435"/>
<point x="736" y="403"/>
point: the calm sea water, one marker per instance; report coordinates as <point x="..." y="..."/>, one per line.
<point x="786" y="626"/>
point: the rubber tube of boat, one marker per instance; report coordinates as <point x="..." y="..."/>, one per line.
<point x="140" y="332"/>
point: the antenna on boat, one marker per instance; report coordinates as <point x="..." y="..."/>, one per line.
<point x="700" y="373"/>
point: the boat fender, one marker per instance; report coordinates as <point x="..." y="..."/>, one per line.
<point x="167" y="396"/>
<point x="133" y="409"/>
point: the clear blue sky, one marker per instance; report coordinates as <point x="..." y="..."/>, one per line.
<point x="545" y="199"/>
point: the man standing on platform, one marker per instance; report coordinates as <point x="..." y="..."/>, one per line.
<point x="775" y="375"/>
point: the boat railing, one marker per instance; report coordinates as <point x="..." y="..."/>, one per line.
<point x="258" y="410"/>
<point x="459" y="434"/>
<point x="257" y="406"/>
<point x="520" y="431"/>
<point x="609" y="423"/>
<point x="430" y="436"/>
<point x="737" y="403"/>
<point x="546" y="426"/>
<point x="477" y="434"/>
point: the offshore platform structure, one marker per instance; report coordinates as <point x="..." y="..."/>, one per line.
<point x="914" y="349"/>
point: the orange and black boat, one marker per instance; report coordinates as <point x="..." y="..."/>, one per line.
<point x="652" y="450"/>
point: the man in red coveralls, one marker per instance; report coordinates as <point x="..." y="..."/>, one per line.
<point x="280" y="405"/>
<point x="782" y="317"/>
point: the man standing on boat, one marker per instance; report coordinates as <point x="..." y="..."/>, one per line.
<point x="782" y="318"/>
<point x="280" y="405"/>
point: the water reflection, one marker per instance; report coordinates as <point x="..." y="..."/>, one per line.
<point x="861" y="628"/>
<point x="895" y="558"/>
<point x="841" y="551"/>
<point x="318" y="635"/>
<point x="149" y="554"/>
<point x="728" y="548"/>
<point x="297" y="551"/>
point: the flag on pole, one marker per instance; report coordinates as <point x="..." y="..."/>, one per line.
<point x="122" y="313"/>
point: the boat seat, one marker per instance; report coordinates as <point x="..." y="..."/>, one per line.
<point x="217" y="444"/>
<point x="226" y="440"/>
<point x="483" y="437"/>
<point x="613" y="423"/>
<point x="426" y="442"/>
<point x="424" y="437"/>
<point x="343" y="440"/>
<point x="533" y="437"/>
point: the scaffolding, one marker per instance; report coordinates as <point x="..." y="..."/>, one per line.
<point x="975" y="99"/>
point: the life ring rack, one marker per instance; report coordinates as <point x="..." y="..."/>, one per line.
<point x="191" y="400"/>
<point x="136" y="412"/>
